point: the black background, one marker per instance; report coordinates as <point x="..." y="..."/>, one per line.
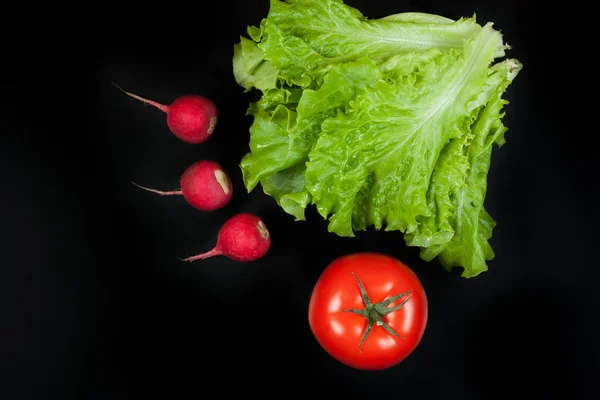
<point x="96" y="305"/>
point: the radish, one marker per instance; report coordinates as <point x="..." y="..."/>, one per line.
<point x="243" y="237"/>
<point x="192" y="118"/>
<point x="205" y="185"/>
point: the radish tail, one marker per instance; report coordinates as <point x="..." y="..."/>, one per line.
<point x="208" y="254"/>
<point x="160" y="106"/>
<point x="162" y="193"/>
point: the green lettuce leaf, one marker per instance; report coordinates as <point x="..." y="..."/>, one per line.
<point x="288" y="188"/>
<point x="250" y="68"/>
<point x="469" y="247"/>
<point x="284" y="136"/>
<point x="307" y="38"/>
<point x="385" y="123"/>
<point x="395" y="132"/>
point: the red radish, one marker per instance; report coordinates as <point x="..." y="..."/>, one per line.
<point x="204" y="185"/>
<point x="244" y="237"/>
<point x="192" y="118"/>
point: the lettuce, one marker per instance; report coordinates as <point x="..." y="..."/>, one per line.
<point x="386" y="123"/>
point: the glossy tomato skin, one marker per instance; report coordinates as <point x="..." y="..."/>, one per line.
<point x="339" y="332"/>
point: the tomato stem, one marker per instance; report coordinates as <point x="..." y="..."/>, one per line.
<point x="374" y="313"/>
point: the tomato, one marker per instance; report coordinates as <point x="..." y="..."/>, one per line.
<point x="368" y="310"/>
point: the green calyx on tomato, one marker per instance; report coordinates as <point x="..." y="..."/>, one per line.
<point x="374" y="313"/>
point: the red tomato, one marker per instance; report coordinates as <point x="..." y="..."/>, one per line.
<point x="392" y="302"/>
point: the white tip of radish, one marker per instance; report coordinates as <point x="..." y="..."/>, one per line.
<point x="212" y="125"/>
<point x="262" y="230"/>
<point x="223" y="180"/>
